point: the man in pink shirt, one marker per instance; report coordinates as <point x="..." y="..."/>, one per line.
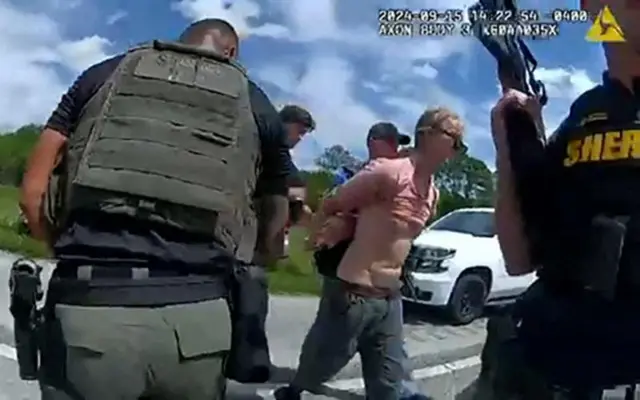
<point x="383" y="141"/>
<point x="359" y="310"/>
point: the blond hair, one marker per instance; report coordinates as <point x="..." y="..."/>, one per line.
<point x="441" y="119"/>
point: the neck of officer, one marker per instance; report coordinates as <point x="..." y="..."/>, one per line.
<point x="623" y="63"/>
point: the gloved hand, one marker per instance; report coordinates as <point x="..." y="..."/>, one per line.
<point x="512" y="99"/>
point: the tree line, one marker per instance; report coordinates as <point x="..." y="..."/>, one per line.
<point x="464" y="181"/>
<point x="14" y="151"/>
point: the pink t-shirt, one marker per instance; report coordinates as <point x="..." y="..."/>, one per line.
<point x="393" y="205"/>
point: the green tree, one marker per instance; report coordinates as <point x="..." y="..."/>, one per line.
<point x="464" y="181"/>
<point x="336" y="156"/>
<point x="317" y="183"/>
<point x="15" y="148"/>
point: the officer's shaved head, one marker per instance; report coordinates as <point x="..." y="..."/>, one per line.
<point x="214" y="33"/>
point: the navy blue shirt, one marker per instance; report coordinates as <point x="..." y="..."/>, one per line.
<point x="101" y="237"/>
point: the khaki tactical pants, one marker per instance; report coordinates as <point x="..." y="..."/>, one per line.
<point x="104" y="353"/>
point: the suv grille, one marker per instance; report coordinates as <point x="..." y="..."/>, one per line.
<point x="426" y="258"/>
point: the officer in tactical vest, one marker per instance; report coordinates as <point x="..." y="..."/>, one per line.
<point x="157" y="156"/>
<point x="577" y="329"/>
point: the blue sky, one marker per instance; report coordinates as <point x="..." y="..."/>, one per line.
<point x="322" y="54"/>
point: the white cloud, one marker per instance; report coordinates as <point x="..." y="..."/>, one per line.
<point x="426" y="70"/>
<point x="65" y="4"/>
<point x="565" y="83"/>
<point x="563" y="86"/>
<point x="332" y="32"/>
<point x="29" y="80"/>
<point x="79" y="54"/>
<point x="340" y="117"/>
<point x="116" y="16"/>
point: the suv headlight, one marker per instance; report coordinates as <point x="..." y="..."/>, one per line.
<point x="428" y="259"/>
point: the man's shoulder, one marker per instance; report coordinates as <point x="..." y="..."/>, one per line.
<point x="590" y="104"/>
<point x="259" y="98"/>
<point x="389" y="166"/>
<point x="593" y="100"/>
<point x="262" y="108"/>
<point x="255" y="89"/>
<point x="105" y="67"/>
<point x="97" y="74"/>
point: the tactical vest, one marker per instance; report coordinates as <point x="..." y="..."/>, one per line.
<point x="169" y="138"/>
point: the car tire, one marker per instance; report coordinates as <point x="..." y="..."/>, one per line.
<point x="467" y="299"/>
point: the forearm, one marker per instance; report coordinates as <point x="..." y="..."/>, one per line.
<point x="509" y="222"/>
<point x="31" y="207"/>
<point x="273" y="213"/>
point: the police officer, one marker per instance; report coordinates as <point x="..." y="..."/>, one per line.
<point x="250" y="361"/>
<point x="159" y="150"/>
<point x="578" y="327"/>
<point x="298" y="122"/>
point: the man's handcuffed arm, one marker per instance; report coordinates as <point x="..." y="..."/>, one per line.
<point x="365" y="188"/>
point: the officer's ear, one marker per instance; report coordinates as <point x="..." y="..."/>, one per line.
<point x="232" y="52"/>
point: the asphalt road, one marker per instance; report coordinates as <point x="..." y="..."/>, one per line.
<point x="444" y="357"/>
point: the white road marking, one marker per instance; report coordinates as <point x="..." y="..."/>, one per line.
<point x="343" y="384"/>
<point x="418" y="374"/>
<point x="8" y="352"/>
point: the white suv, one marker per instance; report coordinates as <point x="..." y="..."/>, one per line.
<point x="456" y="263"/>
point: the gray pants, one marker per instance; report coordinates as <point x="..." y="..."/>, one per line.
<point x="109" y="353"/>
<point x="345" y="324"/>
<point x="409" y="386"/>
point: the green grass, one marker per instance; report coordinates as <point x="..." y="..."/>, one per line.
<point x="294" y="275"/>
<point x="9" y="211"/>
<point x="10" y="239"/>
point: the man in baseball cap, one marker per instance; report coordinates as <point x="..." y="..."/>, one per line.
<point x="383" y="140"/>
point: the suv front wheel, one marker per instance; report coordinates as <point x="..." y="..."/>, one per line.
<point x="467" y="299"/>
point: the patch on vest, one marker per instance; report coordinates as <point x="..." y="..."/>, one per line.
<point x="604" y="147"/>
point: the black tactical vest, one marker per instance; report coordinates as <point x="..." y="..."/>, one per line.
<point x="594" y="184"/>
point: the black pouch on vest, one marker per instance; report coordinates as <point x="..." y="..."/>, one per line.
<point x="249" y="360"/>
<point x="327" y="259"/>
<point x="603" y="253"/>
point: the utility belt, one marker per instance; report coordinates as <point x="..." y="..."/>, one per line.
<point x="602" y="259"/>
<point x="243" y="286"/>
<point x="95" y="286"/>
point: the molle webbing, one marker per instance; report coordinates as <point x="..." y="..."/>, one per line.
<point x="171" y="138"/>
